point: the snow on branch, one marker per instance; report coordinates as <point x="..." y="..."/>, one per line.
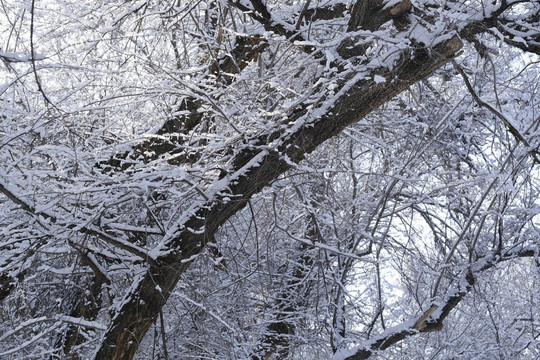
<point x="84" y="229"/>
<point x="432" y="319"/>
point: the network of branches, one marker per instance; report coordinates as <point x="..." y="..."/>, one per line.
<point x="266" y="179"/>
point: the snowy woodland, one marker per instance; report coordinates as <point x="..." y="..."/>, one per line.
<point x="269" y="179"/>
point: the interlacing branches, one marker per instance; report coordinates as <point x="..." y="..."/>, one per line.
<point x="169" y="119"/>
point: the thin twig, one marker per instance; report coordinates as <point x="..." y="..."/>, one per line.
<point x="33" y="56"/>
<point x="302" y="14"/>
<point x="165" y="352"/>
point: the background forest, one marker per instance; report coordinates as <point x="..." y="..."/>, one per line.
<point x="266" y="179"/>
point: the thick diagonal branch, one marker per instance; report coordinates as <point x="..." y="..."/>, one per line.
<point x="368" y="15"/>
<point x="254" y="170"/>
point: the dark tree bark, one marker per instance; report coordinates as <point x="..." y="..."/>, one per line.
<point x="143" y="303"/>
